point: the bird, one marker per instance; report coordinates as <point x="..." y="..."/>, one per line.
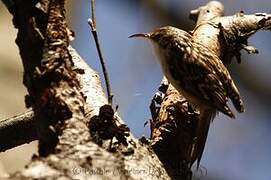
<point x="198" y="74"/>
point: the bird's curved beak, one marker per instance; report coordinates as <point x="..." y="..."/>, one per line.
<point x="144" y="35"/>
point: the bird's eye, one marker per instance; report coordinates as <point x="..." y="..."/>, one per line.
<point x="156" y="36"/>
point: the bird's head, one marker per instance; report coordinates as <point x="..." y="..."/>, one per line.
<point x="164" y="40"/>
<point x="159" y="36"/>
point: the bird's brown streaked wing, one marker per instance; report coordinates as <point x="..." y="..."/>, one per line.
<point x="228" y="83"/>
<point x="200" y="79"/>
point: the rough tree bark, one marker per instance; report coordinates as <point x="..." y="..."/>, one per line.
<point x="66" y="95"/>
<point x="80" y="136"/>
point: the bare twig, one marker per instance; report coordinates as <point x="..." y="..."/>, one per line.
<point x="92" y="24"/>
<point x="17" y="130"/>
<point x="93" y="13"/>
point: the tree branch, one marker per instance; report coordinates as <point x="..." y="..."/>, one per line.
<point x="21" y="129"/>
<point x="92" y="24"/>
<point x="237" y="29"/>
<point x="17" y="130"/>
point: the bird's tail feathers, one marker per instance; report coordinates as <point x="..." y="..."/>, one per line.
<point x="206" y="117"/>
<point x="236" y="99"/>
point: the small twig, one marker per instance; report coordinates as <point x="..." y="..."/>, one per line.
<point x="17" y="130"/>
<point x="93" y="13"/>
<point x="92" y="24"/>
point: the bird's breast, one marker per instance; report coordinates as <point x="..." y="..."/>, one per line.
<point x="174" y="73"/>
